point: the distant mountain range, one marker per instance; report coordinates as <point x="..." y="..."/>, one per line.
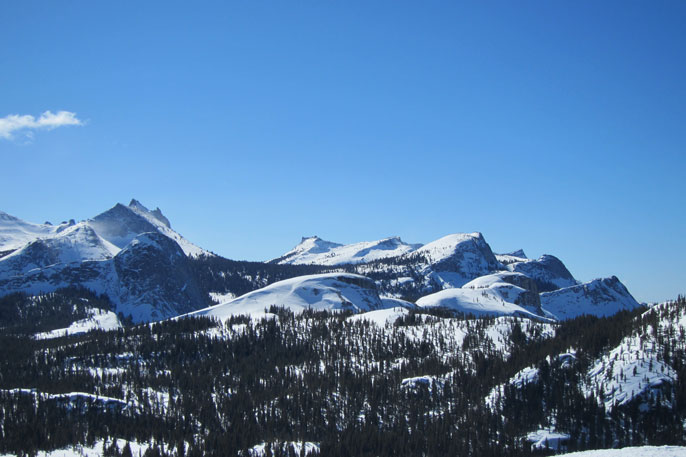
<point x="151" y="272"/>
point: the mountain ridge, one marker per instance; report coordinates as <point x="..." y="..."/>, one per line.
<point x="100" y="254"/>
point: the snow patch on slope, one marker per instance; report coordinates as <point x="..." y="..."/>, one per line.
<point x="331" y="291"/>
<point x="99" y="319"/>
<point x="380" y="317"/>
<point x="484" y="296"/>
<point x="304" y="447"/>
<point x="90" y="451"/>
<point x="638" y="451"/>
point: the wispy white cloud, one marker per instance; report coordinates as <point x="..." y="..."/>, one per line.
<point x="26" y="123"/>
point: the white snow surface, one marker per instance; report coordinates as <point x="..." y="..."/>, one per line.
<point x="315" y="251"/>
<point x="329" y="291"/>
<point x="15" y="232"/>
<point x="380" y="317"/>
<point x="221" y="297"/>
<point x="90" y="451"/>
<point x="99" y="319"/>
<point x="638" y="451"/>
<point x="547" y="439"/>
<point x="260" y="450"/>
<point x="495" y="298"/>
<point x="447" y="246"/>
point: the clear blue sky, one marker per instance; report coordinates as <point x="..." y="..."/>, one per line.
<point x="557" y="127"/>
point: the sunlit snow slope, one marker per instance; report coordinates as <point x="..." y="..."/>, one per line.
<point x="333" y="291"/>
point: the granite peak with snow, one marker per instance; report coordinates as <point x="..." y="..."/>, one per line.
<point x="132" y="254"/>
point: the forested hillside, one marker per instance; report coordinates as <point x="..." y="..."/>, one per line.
<point x="426" y="383"/>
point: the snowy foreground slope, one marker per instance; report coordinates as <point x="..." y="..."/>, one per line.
<point x="260" y="450"/>
<point x="96" y="450"/>
<point x="333" y="291"/>
<point x="640" y="451"/>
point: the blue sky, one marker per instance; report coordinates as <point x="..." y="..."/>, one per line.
<point x="556" y="127"/>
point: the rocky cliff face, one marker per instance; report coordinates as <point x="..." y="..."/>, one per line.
<point x="155" y="279"/>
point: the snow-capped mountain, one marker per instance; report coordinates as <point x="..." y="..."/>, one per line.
<point x="315" y="251"/>
<point x="73" y="245"/>
<point x="332" y="291"/>
<point x="448" y="262"/>
<point x="600" y="297"/>
<point x="149" y="279"/>
<point x="121" y="224"/>
<point x="15" y="233"/>
<point x="130" y="253"/>
<point x="116" y="226"/>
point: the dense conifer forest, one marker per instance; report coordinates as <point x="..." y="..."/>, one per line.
<point x="426" y="384"/>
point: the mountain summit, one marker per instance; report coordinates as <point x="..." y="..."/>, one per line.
<point x="151" y="272"/>
<point x="315" y="251"/>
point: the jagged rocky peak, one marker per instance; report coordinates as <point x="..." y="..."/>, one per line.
<point x="156" y="213"/>
<point x="518" y="253"/>
<point x="121" y="224"/>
